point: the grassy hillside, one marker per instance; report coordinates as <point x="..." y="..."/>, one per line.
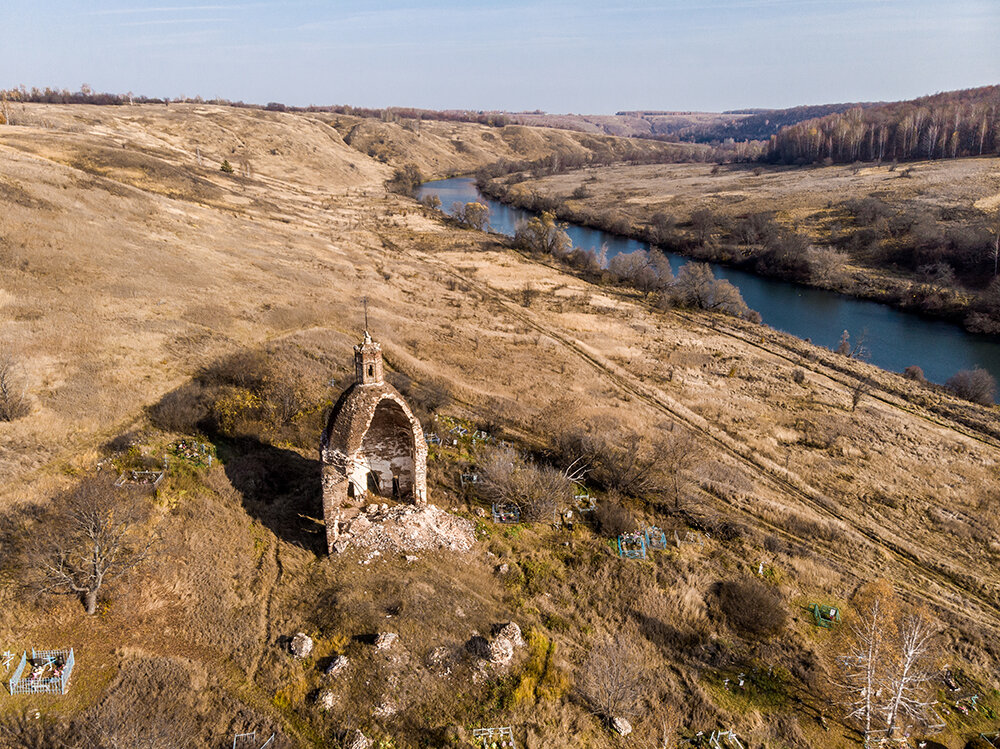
<point x="132" y="276"/>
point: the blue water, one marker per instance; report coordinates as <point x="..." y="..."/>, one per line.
<point x="892" y="339"/>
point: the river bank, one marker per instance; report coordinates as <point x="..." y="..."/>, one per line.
<point x="910" y="239"/>
<point x="892" y="339"/>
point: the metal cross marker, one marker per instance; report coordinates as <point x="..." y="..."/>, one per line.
<point x="8" y="658"/>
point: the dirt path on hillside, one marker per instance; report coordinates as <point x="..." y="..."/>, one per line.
<point x="920" y="578"/>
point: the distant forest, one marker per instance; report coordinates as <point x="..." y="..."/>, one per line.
<point x="942" y="126"/>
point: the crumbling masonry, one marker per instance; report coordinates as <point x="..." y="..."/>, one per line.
<point x="372" y="445"/>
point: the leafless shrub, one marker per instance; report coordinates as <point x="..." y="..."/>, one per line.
<point x="976" y="385"/>
<point x="618" y="460"/>
<point x="827" y="267"/>
<point x="752" y="607"/>
<point x="612" y="679"/>
<point x="697" y="287"/>
<point x="528" y="294"/>
<point x="915" y="373"/>
<point x="14" y="401"/>
<point x="613" y="518"/>
<point x="538" y="491"/>
<point x="798" y="376"/>
<point x="405" y="180"/>
<point x="180" y="410"/>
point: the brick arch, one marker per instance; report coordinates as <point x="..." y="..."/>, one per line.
<point x="388" y="450"/>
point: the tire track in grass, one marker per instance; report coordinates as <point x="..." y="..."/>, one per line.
<point x="777" y="476"/>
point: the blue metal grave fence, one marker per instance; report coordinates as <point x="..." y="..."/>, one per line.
<point x="49" y="674"/>
<point x="632" y="545"/>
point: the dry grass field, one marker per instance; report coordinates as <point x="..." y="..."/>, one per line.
<point x="130" y="265"/>
<point x="806" y="198"/>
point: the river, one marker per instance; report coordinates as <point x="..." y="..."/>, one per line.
<point x="893" y="339"/>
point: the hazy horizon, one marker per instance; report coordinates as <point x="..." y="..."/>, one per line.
<point x="583" y="57"/>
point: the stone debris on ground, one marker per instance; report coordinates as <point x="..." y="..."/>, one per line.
<point x="357" y="740"/>
<point x="621" y="726"/>
<point x="337" y="665"/>
<point x="499" y="651"/>
<point x="326" y="700"/>
<point x="441" y="660"/>
<point x="301" y="645"/>
<point x="404" y="529"/>
<point x="385" y="640"/>
<point x="509" y="631"/>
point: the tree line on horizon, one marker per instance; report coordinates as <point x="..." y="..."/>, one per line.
<point x="943" y="126"/>
<point x="952" y="124"/>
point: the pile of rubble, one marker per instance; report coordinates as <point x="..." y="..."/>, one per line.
<point x="498" y="650"/>
<point x="403" y="529"/>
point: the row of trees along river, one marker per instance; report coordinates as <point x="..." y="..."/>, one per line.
<point x="893" y="339"/>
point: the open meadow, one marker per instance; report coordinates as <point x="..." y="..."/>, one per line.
<point x="147" y="296"/>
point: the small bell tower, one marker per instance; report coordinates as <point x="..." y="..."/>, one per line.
<point x="368" y="362"/>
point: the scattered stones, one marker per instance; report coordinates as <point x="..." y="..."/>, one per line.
<point x="385" y="640"/>
<point x="621" y="726"/>
<point x="501" y="652"/>
<point x="326" y="700"/>
<point x="357" y="740"/>
<point x="503" y="569"/>
<point x="301" y="645"/>
<point x="411" y="558"/>
<point x="341" y="545"/>
<point x="440" y="660"/>
<point x="337" y="665"/>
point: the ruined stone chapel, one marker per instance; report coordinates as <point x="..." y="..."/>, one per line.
<point x="372" y="446"/>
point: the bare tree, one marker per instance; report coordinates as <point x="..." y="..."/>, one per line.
<point x="13" y="390"/>
<point x="907" y="683"/>
<point x="864" y="654"/>
<point x="431" y="201"/>
<point x="613" y="678"/>
<point x="678" y="454"/>
<point x="994" y="251"/>
<point x="90" y="538"/>
<point x="696" y="286"/>
<point x="861" y="387"/>
<point x="472" y="215"/>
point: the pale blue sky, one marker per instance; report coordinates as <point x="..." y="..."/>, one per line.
<point x="583" y="56"/>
